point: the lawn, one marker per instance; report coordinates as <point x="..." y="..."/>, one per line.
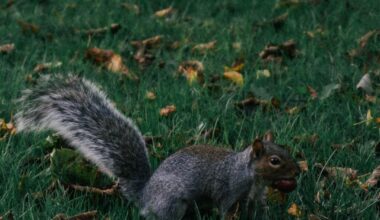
<point x="305" y="94"/>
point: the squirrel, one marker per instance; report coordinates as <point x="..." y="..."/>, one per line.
<point x="81" y="113"/>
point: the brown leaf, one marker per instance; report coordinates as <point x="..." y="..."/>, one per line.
<point x="7" y="48"/>
<point x="28" y="27"/>
<point x="363" y="41"/>
<point x="6" y="129"/>
<point x="317" y="32"/>
<point x="111" y="191"/>
<point x="276" y="53"/>
<point x="203" y="48"/>
<point x="90" y="215"/>
<point x="192" y="70"/>
<point x="312" y="92"/>
<point x="110" y="61"/>
<point x="113" y="28"/>
<point x="312" y="139"/>
<point x="252" y="102"/>
<point x="143" y="53"/>
<point x="294" y="210"/>
<point x="373" y="180"/>
<point x="333" y="172"/>
<point x="303" y="166"/>
<point x="313" y="217"/>
<point x="164" y="12"/>
<point x="167" y="110"/>
<point x="45" y="66"/>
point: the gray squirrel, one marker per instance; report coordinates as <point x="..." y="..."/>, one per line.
<point x="81" y="113"/>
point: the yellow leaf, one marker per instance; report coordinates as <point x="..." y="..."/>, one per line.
<point x="166" y="111"/>
<point x="164" y="12"/>
<point x="262" y="73"/>
<point x="369" y="117"/>
<point x="202" y="48"/>
<point x="294" y="210"/>
<point x="150" y="95"/>
<point x="303" y="166"/>
<point x="236" y="68"/>
<point x="235" y="77"/>
<point x="192" y="70"/>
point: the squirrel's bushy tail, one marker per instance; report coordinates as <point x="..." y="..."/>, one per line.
<point x="78" y="111"/>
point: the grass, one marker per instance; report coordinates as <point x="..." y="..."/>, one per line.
<point x="322" y="61"/>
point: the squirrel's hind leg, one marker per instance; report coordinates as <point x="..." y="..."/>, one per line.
<point x="166" y="209"/>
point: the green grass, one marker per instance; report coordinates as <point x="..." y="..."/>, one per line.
<point x="322" y="60"/>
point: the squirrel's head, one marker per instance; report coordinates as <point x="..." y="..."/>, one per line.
<point x="273" y="164"/>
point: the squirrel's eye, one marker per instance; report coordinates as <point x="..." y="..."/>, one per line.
<point x="275" y="161"/>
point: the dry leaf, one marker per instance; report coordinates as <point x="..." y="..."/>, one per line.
<point x="333" y="172"/>
<point x="7" y="48"/>
<point x="370" y="98"/>
<point x="113" y="28"/>
<point x="273" y="52"/>
<point x="28" y="27"/>
<point x="252" y="102"/>
<point x="109" y="60"/>
<point x="143" y="53"/>
<point x="150" y="95"/>
<point x="369" y="117"/>
<point x="234" y="77"/>
<point x="294" y="210"/>
<point x="293" y="110"/>
<point x="203" y="48"/>
<point x="6" y="129"/>
<point x="303" y="166"/>
<point x="45" y="66"/>
<point x="312" y="92"/>
<point x="274" y="195"/>
<point x="317" y="32"/>
<point x="365" y="84"/>
<point x="263" y="73"/>
<point x="311" y="139"/>
<point x="82" y="216"/>
<point x="313" y="217"/>
<point x="363" y="41"/>
<point x="168" y="110"/>
<point x="192" y="70"/>
<point x="131" y="7"/>
<point x="164" y="12"/>
<point x="373" y="180"/>
<point x="87" y="189"/>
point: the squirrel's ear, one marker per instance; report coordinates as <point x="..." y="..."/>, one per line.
<point x="268" y="136"/>
<point x="257" y="148"/>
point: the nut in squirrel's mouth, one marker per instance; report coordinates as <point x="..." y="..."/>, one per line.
<point x="285" y="185"/>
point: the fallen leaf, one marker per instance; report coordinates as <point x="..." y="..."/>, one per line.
<point x="313" y="92"/>
<point x="303" y="166"/>
<point x="311" y="139"/>
<point x="374" y="178"/>
<point x="7" y="48"/>
<point x="90" y="215"/>
<point x="313" y="217"/>
<point x="294" y="210"/>
<point x="317" y="32"/>
<point x="369" y="117"/>
<point x="276" y="196"/>
<point x="150" y="95"/>
<point x="168" y="110"/>
<point x="234" y="77"/>
<point x="94" y="190"/>
<point x="277" y="22"/>
<point x="113" y="28"/>
<point x="252" y="102"/>
<point x="28" y="27"/>
<point x="328" y="90"/>
<point x="110" y="61"/>
<point x="276" y="53"/>
<point x="329" y="172"/>
<point x="365" y="84"/>
<point x="45" y="66"/>
<point x="237" y="66"/>
<point x="164" y="12"/>
<point x="203" y="48"/>
<point x="263" y="73"/>
<point x="143" y="53"/>
<point x="370" y="98"/>
<point x="6" y="129"/>
<point x="363" y="41"/>
<point x="131" y="7"/>
<point x="192" y="70"/>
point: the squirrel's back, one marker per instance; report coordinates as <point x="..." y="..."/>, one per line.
<point x="78" y="111"/>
